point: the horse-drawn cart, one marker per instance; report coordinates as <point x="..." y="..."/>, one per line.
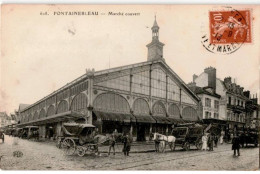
<point x="187" y="136"/>
<point x="78" y="138"/>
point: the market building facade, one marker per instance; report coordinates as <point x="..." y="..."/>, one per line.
<point x="233" y="103"/>
<point x="138" y="99"/>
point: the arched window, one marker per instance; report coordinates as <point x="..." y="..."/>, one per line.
<point x="51" y="110"/>
<point x="42" y="113"/>
<point x="79" y="102"/>
<point x="159" y="109"/>
<point x="141" y="107"/>
<point x="111" y="102"/>
<point x="174" y="111"/>
<point x="62" y="107"/>
<point x="189" y="113"/>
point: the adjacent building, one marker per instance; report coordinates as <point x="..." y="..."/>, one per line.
<point x="223" y="101"/>
<point x="4" y="119"/>
<point x="252" y="111"/>
<point x="139" y="99"/>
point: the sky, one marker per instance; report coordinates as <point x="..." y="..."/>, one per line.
<point x="41" y="53"/>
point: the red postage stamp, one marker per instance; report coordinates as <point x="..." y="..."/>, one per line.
<point x="228" y="27"/>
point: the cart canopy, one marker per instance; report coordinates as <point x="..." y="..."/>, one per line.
<point x="75" y="129"/>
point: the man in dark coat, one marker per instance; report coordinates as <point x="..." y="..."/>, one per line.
<point x="210" y="142"/>
<point x="112" y="142"/>
<point x="216" y="140"/>
<point x="236" y="145"/>
<point x="127" y="145"/>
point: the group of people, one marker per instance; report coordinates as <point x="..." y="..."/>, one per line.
<point x="209" y="140"/>
<point x="126" y="140"/>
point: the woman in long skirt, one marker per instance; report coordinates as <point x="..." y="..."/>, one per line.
<point x="221" y="137"/>
<point x="204" y="142"/>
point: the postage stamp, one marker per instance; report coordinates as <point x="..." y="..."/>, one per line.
<point x="228" y="30"/>
<point x="228" y="27"/>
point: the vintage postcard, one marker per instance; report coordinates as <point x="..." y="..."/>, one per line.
<point x="129" y="87"/>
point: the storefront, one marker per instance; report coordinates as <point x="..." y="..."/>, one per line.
<point x="50" y="127"/>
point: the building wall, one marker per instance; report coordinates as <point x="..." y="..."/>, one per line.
<point x="207" y="109"/>
<point x="74" y="97"/>
<point x="151" y="83"/>
<point x="202" y="80"/>
<point x="221" y="90"/>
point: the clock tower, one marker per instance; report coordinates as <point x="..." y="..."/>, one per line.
<point x="155" y="48"/>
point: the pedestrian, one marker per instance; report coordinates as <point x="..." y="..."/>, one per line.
<point x="210" y="142"/>
<point x="216" y="140"/>
<point x="231" y="137"/>
<point x="112" y="142"/>
<point x="221" y="137"/>
<point x="236" y="145"/>
<point x="127" y="145"/>
<point x="156" y="142"/>
<point x="228" y="137"/>
<point x="204" y="142"/>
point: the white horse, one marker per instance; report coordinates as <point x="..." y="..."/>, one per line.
<point x="170" y="140"/>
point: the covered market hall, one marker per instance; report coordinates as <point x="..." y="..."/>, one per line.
<point x="138" y="99"/>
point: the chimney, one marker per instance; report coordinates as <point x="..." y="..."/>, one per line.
<point x="194" y="77"/>
<point x="211" y="77"/>
<point x="241" y="90"/>
<point x="227" y="80"/>
<point x="246" y="94"/>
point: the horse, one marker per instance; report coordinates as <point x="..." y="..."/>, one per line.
<point x="170" y="140"/>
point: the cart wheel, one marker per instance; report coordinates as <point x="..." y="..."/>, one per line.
<point x="80" y="151"/>
<point x="68" y="146"/>
<point x="186" y="146"/>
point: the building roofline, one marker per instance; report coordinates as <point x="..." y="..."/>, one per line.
<point x="101" y="72"/>
<point x="84" y="76"/>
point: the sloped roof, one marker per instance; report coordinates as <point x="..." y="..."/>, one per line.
<point x="106" y="71"/>
<point x="200" y="90"/>
<point x="3" y="114"/>
<point x="155" y="24"/>
<point x="23" y="106"/>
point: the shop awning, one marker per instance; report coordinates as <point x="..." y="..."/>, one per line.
<point x="54" y="118"/>
<point x="175" y="120"/>
<point x="162" y="120"/>
<point x="144" y="119"/>
<point x="109" y="116"/>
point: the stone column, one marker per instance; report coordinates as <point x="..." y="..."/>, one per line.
<point x="42" y="131"/>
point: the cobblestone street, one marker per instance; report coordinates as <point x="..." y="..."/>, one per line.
<point x="46" y="156"/>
